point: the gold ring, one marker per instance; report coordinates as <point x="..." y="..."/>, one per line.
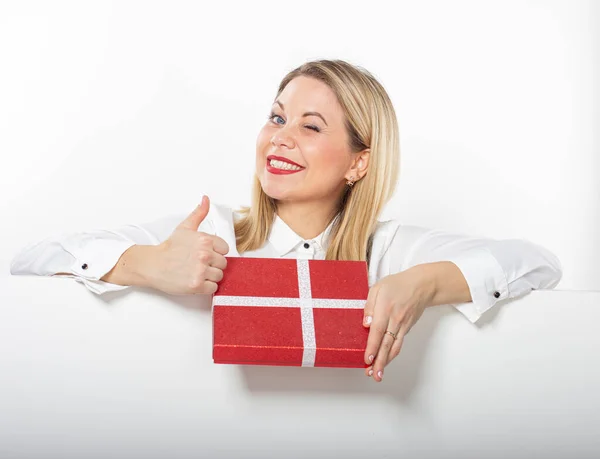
<point x="387" y="332"/>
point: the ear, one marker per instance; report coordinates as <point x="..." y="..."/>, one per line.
<point x="359" y="167"/>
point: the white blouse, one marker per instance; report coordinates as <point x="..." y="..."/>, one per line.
<point x="494" y="269"/>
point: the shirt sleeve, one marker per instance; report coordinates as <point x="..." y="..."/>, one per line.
<point x="87" y="256"/>
<point x="495" y="269"/>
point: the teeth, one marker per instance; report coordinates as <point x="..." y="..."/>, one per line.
<point x="283" y="165"/>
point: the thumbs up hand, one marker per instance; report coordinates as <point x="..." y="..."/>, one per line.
<point x="190" y="261"/>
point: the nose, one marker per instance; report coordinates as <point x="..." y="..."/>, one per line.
<point x="283" y="138"/>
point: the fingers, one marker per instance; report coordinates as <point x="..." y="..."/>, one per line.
<point x="213" y="274"/>
<point x="378" y="328"/>
<point x="219" y="245"/>
<point x="214" y="271"/>
<point x="370" y="351"/>
<point x="389" y="350"/>
<point x="396" y="347"/>
<point x="218" y="261"/>
<point x="370" y="306"/>
<point x="209" y="287"/>
<point x="400" y="330"/>
<point x="382" y="356"/>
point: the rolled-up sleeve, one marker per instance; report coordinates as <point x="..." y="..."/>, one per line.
<point x="88" y="255"/>
<point x="495" y="269"/>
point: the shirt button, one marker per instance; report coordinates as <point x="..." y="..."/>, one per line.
<point x="84" y="266"/>
<point x="306" y="245"/>
<point x="497" y="294"/>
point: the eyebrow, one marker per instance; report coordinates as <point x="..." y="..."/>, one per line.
<point x="307" y="113"/>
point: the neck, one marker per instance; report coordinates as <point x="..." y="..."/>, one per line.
<point x="308" y="219"/>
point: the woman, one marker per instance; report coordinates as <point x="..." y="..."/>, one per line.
<point x="327" y="161"/>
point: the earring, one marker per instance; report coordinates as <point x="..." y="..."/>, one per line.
<point x="350" y="181"/>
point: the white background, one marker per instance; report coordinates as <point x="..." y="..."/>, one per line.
<point x="121" y="112"/>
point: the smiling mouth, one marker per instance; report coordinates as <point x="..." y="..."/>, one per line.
<point x="276" y="164"/>
<point x="283" y="165"/>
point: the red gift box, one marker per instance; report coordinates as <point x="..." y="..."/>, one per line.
<point x="278" y="311"/>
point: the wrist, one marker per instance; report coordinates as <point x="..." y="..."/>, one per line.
<point x="444" y="283"/>
<point x="426" y="282"/>
<point x="144" y="262"/>
<point x="134" y="267"/>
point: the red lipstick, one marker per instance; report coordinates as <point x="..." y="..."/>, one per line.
<point x="274" y="170"/>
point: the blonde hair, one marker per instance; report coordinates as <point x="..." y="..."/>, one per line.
<point x="371" y="123"/>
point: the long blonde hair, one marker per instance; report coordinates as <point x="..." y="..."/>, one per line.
<point x="371" y="123"/>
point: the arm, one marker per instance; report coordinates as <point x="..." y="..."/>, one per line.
<point x="493" y="269"/>
<point x="445" y="282"/>
<point x="103" y="260"/>
<point x="130" y="269"/>
<point x="423" y="268"/>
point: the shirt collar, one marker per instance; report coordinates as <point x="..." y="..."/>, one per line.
<point x="284" y="239"/>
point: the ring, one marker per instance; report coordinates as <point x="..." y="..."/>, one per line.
<point x="387" y="332"/>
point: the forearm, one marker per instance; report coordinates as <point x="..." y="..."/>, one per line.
<point x="445" y="283"/>
<point x="132" y="268"/>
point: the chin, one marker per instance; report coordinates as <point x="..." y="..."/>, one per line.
<point x="276" y="193"/>
<point x="270" y="188"/>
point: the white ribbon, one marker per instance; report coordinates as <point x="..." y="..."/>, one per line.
<point x="305" y="302"/>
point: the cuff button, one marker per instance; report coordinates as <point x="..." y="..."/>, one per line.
<point x="84" y="266"/>
<point x="497" y="294"/>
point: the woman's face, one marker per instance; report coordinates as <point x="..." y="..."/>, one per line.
<point x="302" y="152"/>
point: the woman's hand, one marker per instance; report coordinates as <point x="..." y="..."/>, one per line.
<point x="393" y="306"/>
<point x="396" y="302"/>
<point x="189" y="262"/>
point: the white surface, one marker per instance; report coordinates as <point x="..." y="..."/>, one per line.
<point x="118" y="112"/>
<point x="130" y="375"/>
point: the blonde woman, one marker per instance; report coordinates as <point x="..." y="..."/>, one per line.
<point x="327" y="161"/>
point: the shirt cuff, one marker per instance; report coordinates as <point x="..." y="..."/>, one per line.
<point x="486" y="280"/>
<point x="94" y="259"/>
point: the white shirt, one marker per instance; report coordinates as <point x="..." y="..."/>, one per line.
<point x="494" y="269"/>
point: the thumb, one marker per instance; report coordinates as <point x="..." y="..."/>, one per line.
<point x="197" y="216"/>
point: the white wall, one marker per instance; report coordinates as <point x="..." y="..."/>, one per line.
<point x="119" y="112"/>
<point x="116" y="112"/>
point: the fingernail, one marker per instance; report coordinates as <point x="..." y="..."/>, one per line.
<point x="371" y="357"/>
<point x="380" y="374"/>
<point x="370" y="372"/>
<point x="368" y="320"/>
